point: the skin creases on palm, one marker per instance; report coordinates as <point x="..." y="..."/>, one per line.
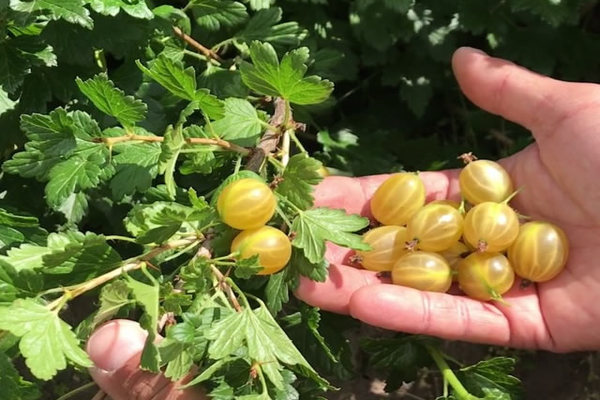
<point x="557" y="177"/>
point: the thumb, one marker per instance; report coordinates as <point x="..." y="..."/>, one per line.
<point x="537" y="102"/>
<point x="115" y="349"/>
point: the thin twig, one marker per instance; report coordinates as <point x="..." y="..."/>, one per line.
<point x="192" y="42"/>
<point x="111" y="141"/>
<point x="79" y="289"/>
<point x="234" y="301"/>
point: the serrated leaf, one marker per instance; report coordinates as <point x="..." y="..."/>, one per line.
<point x="170" y="149"/>
<point x="215" y="15"/>
<point x="13" y="67"/>
<point x="46" y="341"/>
<point x="315" y="271"/>
<point x="492" y="379"/>
<point x="264" y="26"/>
<point x="240" y="121"/>
<point x="277" y="291"/>
<point x="266" y="342"/>
<point x="299" y="177"/>
<point x="6" y="104"/>
<point x="401" y="357"/>
<point x="14" y="387"/>
<point x="172" y="76"/>
<point x="157" y="222"/>
<point x="14" y="284"/>
<point x="286" y="79"/>
<point x="182" y="83"/>
<point x="112" y="297"/>
<point x="54" y="138"/>
<point x="136" y="166"/>
<point x="74" y="175"/>
<point x="83" y="257"/>
<point x="314" y="227"/>
<point x="26" y="256"/>
<point x="247" y="267"/>
<point x="135" y="8"/>
<point x="112" y="101"/>
<point x="72" y="11"/>
<point x="147" y="296"/>
<point x="34" y="50"/>
<point x="223" y="82"/>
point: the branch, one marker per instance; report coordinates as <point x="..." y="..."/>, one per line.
<point x="204" y="251"/>
<point x="111" y="141"/>
<point x="192" y="42"/>
<point x="268" y="143"/>
<point x="136" y="263"/>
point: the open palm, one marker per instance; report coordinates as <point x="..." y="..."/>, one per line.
<point x="559" y="176"/>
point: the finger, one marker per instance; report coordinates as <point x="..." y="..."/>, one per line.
<point x="334" y="294"/>
<point x="337" y="254"/>
<point x="115" y="349"/>
<point x="354" y="194"/>
<point x="451" y="317"/>
<point x="522" y="96"/>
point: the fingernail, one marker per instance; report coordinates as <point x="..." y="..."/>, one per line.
<point x="115" y="343"/>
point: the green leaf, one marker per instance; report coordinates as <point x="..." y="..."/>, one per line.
<point x="267" y="76"/>
<point x="264" y="26"/>
<point x="14" y="387"/>
<point x="72" y="11"/>
<point x="54" y="138"/>
<point x="182" y="83"/>
<point x="299" y="177"/>
<point x="315" y="271"/>
<point x="241" y="120"/>
<point x="400" y="357"/>
<point x="135" y="8"/>
<point x="215" y="15"/>
<point x="159" y="221"/>
<point x="172" y="76"/>
<point x="74" y="175"/>
<point x="266" y="342"/>
<point x="277" y="291"/>
<point x="180" y="366"/>
<point x="74" y="207"/>
<point x="147" y="296"/>
<point x="15" y="284"/>
<point x="6" y="104"/>
<point x="417" y="94"/>
<point x="223" y="82"/>
<point x="310" y="321"/>
<point x="314" y="227"/>
<point x="13" y="67"/>
<point x="247" y="267"/>
<point x="112" y="297"/>
<point x="112" y="101"/>
<point x="81" y="258"/>
<point x="26" y="256"/>
<point x="170" y="149"/>
<point x="492" y="378"/>
<point x="136" y="166"/>
<point x="46" y="341"/>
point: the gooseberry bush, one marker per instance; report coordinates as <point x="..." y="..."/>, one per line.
<point x="159" y="161"/>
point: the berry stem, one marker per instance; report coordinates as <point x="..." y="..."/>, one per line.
<point x="459" y="390"/>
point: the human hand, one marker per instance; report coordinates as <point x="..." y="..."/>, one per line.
<point x="115" y="348"/>
<point x="558" y="174"/>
